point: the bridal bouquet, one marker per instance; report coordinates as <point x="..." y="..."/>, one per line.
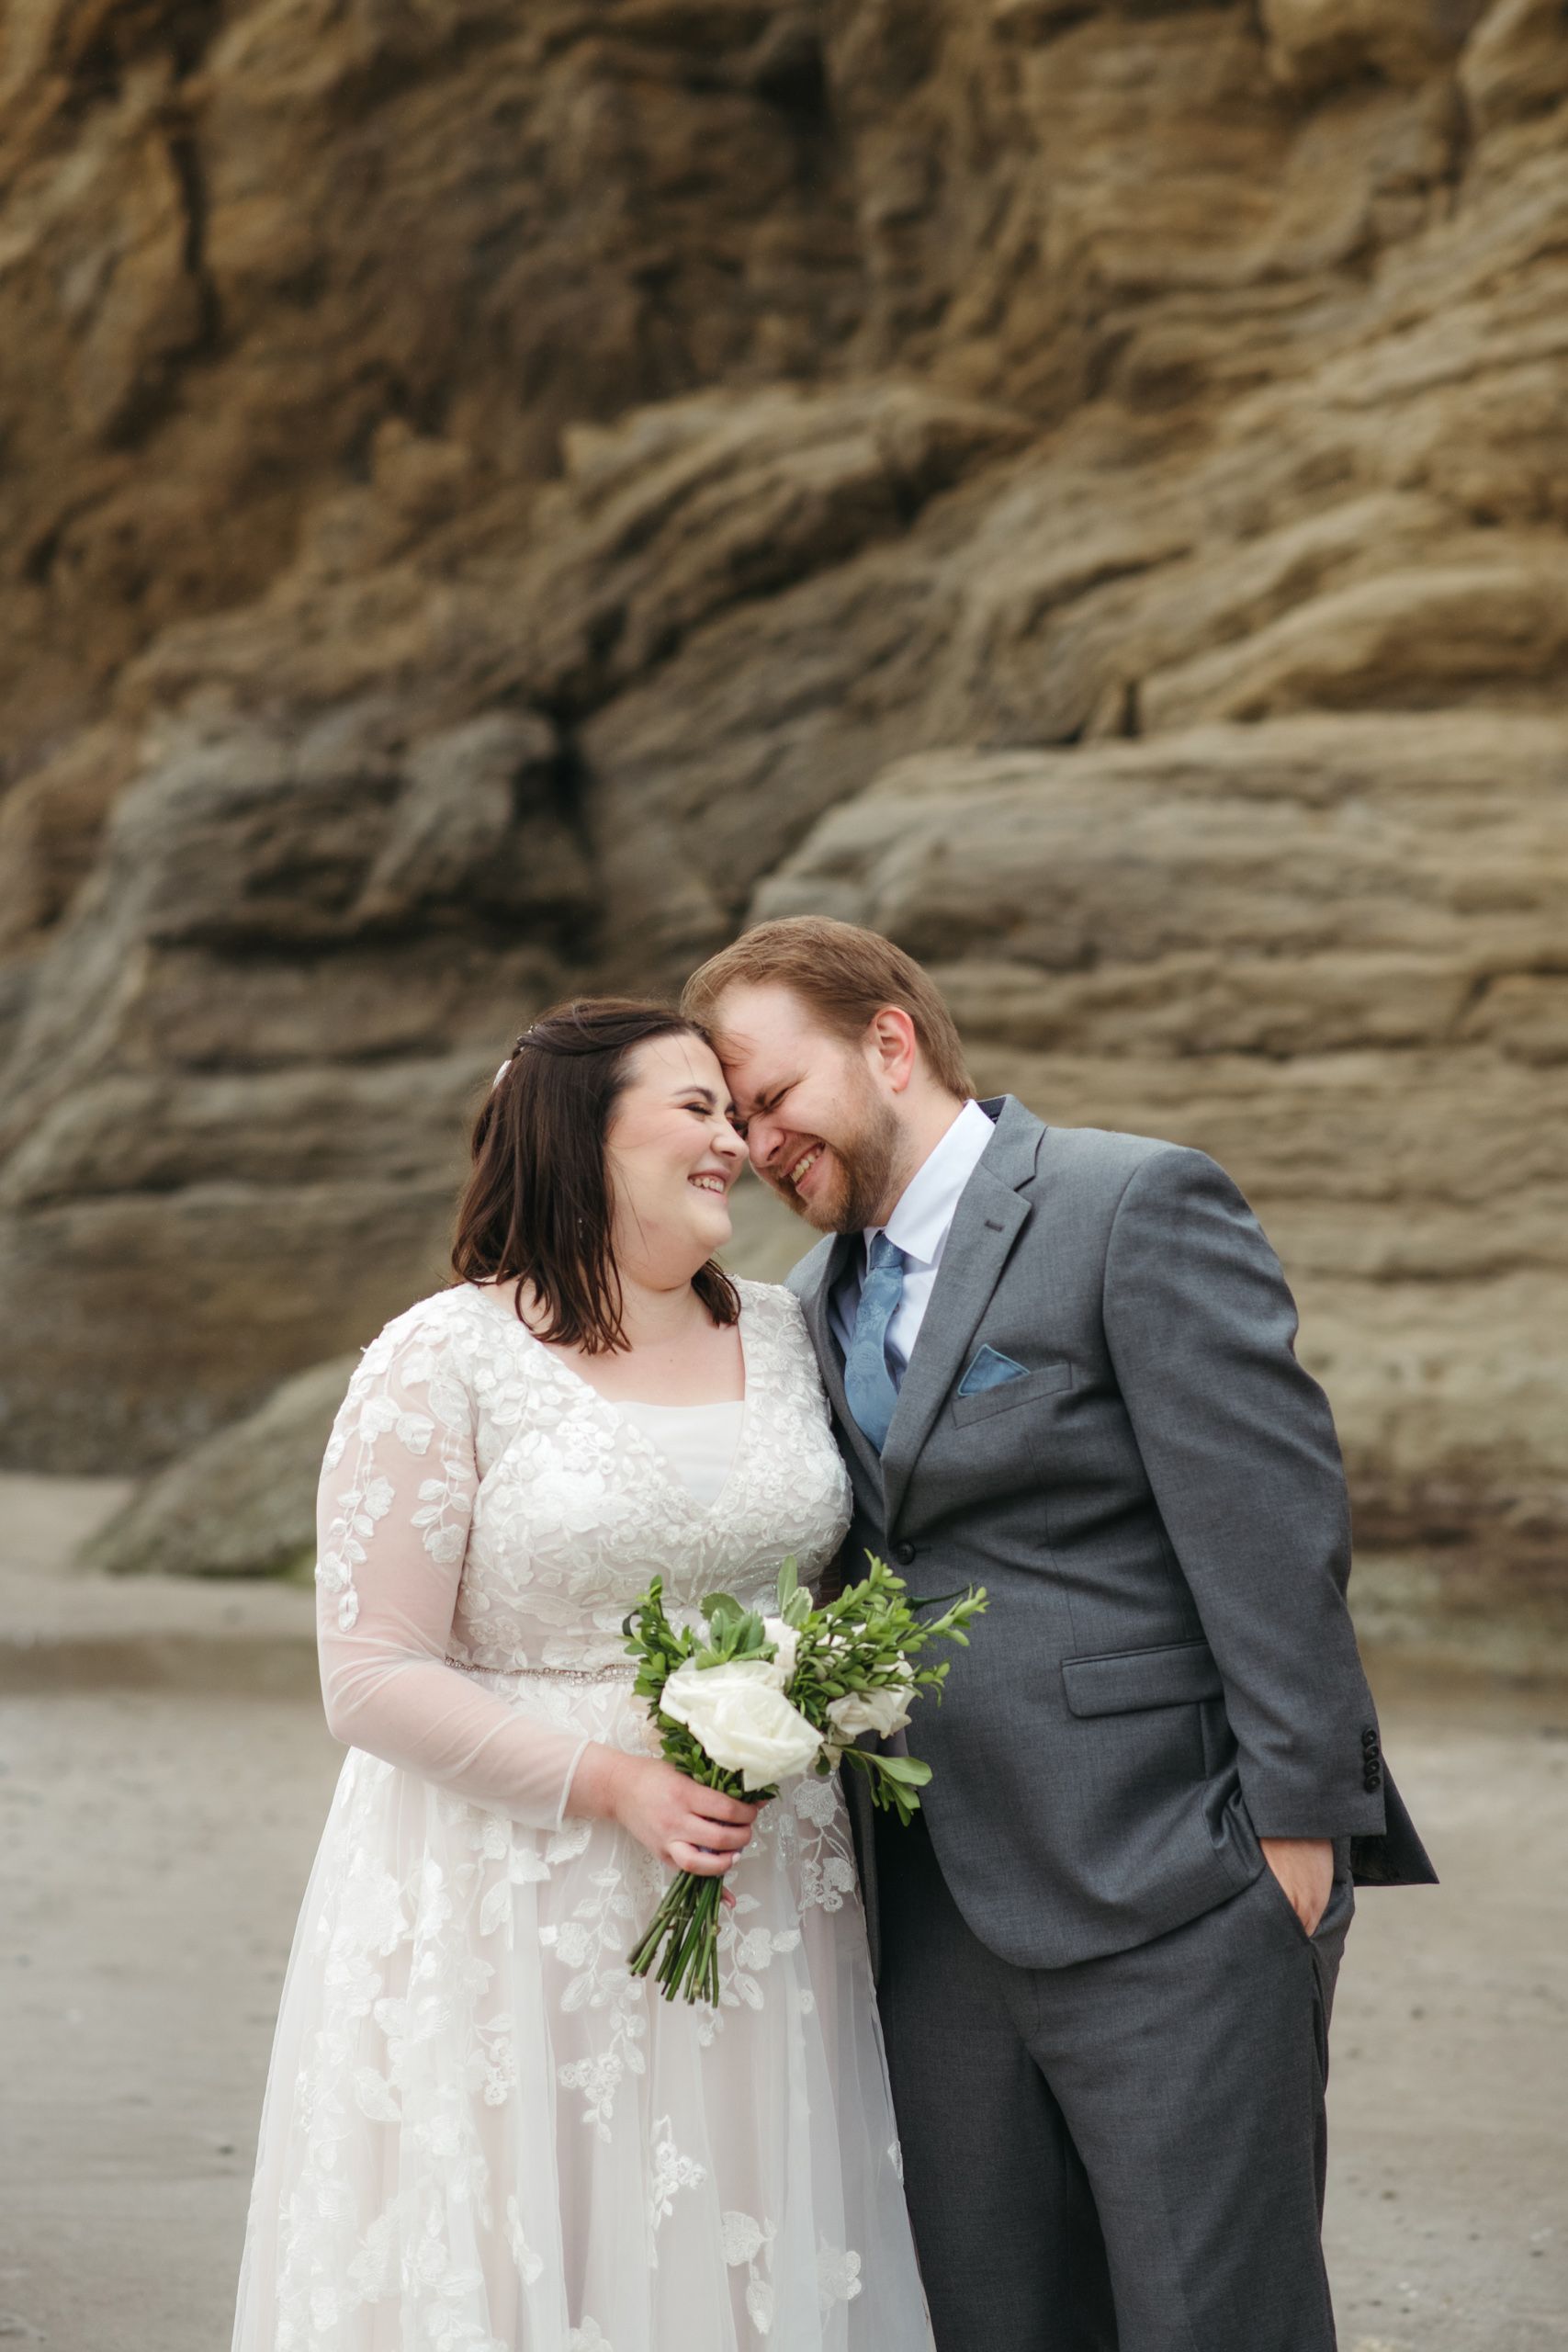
<point x="756" y="1699"/>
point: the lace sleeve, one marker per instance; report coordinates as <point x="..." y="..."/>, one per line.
<point x="396" y="1497"/>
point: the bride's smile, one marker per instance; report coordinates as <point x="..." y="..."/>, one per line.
<point x="673" y="1157"/>
<point x="672" y="1154"/>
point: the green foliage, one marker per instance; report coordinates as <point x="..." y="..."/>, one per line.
<point x="733" y="1632"/>
<point x="795" y="1602"/>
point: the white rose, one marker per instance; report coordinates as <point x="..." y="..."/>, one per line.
<point x="786" y="1646"/>
<point x="738" y="1715"/>
<point x="883" y="1711"/>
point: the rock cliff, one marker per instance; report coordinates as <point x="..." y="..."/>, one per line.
<point x="494" y="497"/>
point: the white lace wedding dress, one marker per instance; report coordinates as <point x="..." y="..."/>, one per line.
<point x="482" y="2134"/>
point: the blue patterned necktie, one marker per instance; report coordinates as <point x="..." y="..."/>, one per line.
<point x="868" y="1380"/>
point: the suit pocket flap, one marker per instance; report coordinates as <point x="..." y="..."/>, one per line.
<point x="1181" y="1672"/>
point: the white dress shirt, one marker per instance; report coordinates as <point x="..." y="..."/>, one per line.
<point x="919" y="1225"/>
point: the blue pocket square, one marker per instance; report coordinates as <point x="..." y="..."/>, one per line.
<point x="990" y="1369"/>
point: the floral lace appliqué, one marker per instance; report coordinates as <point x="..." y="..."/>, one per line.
<point x="464" y="2059"/>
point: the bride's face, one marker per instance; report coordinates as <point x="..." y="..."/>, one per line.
<point x="673" y="1156"/>
<point x="821" y="1133"/>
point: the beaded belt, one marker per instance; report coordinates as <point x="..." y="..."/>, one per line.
<point x="623" y="1672"/>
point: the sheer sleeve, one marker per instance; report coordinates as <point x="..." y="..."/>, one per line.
<point x="395" y="1498"/>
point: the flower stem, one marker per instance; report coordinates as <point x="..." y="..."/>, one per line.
<point x="685" y="1930"/>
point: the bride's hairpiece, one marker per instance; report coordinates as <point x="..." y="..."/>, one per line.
<point x="529" y="1037"/>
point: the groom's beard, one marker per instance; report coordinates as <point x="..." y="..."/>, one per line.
<point x="860" y="1176"/>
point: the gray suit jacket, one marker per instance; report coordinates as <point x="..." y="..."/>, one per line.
<point x="1167" y="1670"/>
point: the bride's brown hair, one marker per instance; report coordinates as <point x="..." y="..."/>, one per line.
<point x="538" y="1208"/>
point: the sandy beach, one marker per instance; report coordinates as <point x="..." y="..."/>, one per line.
<point x="163" y="1774"/>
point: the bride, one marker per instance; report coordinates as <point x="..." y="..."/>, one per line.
<point x="482" y="2134"/>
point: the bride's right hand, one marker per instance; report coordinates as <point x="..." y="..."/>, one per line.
<point x="692" y="1829"/>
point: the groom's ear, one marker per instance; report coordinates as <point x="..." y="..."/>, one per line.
<point x="894" y="1046"/>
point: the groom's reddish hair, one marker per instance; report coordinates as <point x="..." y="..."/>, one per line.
<point x="843" y="974"/>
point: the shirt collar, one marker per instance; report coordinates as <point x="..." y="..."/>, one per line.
<point x="919" y="1224"/>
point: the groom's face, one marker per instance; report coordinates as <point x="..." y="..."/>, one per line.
<point x="820" y="1132"/>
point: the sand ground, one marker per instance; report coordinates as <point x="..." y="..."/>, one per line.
<point x="164" y="1773"/>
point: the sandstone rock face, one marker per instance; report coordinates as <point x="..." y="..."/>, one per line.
<point x="495" y="498"/>
<point x="242" y="237"/>
<point x="1321" y="950"/>
<point x="240" y="1503"/>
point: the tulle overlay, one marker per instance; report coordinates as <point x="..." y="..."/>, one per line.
<point x="482" y="2134"/>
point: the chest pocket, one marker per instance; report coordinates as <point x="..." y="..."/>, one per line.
<point x="1009" y="1394"/>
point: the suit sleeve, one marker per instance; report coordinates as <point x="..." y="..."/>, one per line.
<point x="1239" y="1447"/>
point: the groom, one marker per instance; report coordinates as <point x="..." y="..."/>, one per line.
<point x="1062" y="1365"/>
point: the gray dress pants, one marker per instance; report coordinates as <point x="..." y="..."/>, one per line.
<point x="1125" y="2156"/>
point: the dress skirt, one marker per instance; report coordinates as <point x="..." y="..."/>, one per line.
<point x="482" y="2134"/>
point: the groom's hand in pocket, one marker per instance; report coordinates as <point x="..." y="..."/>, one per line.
<point x="1304" y="1868"/>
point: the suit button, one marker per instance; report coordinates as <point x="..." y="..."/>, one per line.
<point x="904" y="1555"/>
<point x="1372" y="1779"/>
<point x="1369" y="1742"/>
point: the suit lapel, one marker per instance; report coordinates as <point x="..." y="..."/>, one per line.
<point x="984" y="1226"/>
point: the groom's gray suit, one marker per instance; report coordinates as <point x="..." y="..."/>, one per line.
<point x="1107" y="2029"/>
